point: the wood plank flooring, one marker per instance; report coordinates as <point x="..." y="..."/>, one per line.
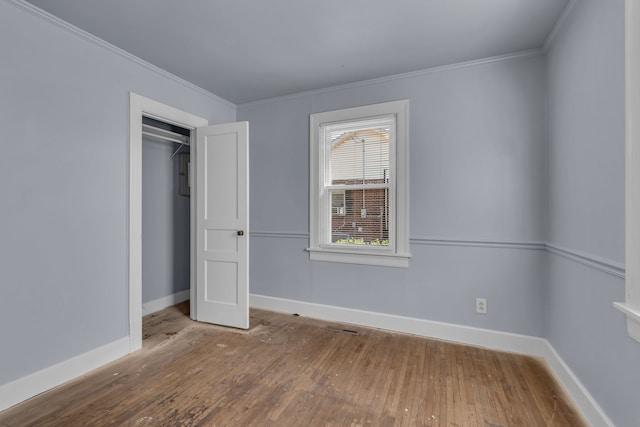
<point x="294" y="371"/>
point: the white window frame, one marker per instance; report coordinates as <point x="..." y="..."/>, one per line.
<point x="397" y="253"/>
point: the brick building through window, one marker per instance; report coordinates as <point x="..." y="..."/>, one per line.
<point x="360" y="164"/>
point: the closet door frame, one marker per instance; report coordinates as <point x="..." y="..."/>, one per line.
<point x="140" y="106"/>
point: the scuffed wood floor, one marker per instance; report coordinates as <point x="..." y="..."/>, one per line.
<point x="294" y="371"/>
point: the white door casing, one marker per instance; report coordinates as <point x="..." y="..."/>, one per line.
<point x="222" y="223"/>
<point x="139" y="106"/>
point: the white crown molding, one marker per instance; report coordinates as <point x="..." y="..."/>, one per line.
<point x="412" y="74"/>
<point x="106" y="45"/>
<point x="558" y="25"/>
<point x="496" y="340"/>
<point x="33" y="384"/>
<point x="500" y="58"/>
<point x="114" y="49"/>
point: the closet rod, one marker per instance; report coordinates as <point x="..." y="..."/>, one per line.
<point x="165" y="135"/>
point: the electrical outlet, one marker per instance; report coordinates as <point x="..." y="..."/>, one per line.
<point x="481" y="305"/>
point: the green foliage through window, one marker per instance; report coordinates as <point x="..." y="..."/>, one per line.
<point x="361" y="241"/>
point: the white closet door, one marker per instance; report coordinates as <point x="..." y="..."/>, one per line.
<point x="222" y="223"/>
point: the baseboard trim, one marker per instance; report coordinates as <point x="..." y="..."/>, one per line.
<point x="586" y="404"/>
<point x="27" y="387"/>
<point x="24" y="388"/>
<point x="445" y="331"/>
<point x="164" y="302"/>
<point x="504" y="341"/>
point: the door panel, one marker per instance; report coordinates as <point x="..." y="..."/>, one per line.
<point x="221" y="282"/>
<point x="222" y="222"/>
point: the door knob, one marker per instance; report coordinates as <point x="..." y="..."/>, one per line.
<point x="240" y="233"/>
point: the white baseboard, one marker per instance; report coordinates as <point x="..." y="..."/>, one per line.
<point x="27" y="387"/>
<point x="427" y="328"/>
<point x="164" y="302"/>
<point x="586" y="404"/>
<point x="24" y="388"/>
<point x="504" y="341"/>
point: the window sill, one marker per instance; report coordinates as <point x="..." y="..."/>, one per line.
<point x="359" y="257"/>
<point x="633" y="319"/>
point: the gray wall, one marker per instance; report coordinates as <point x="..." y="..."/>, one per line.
<point x="477" y="154"/>
<point x="586" y="206"/>
<point x="64" y="117"/>
<point x="481" y="173"/>
<point x="165" y="222"/>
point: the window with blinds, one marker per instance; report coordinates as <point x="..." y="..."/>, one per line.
<point x="357" y="181"/>
<point x="359" y="191"/>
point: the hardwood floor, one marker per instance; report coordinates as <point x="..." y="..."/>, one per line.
<point x="294" y="371"/>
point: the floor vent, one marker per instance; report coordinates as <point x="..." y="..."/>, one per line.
<point x="342" y="330"/>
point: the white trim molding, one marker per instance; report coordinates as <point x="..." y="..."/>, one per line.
<point x="558" y="25"/>
<point x="633" y="319"/>
<point x="631" y="306"/>
<point x="279" y="235"/>
<point x="504" y="341"/>
<point x="412" y="74"/>
<point x="114" y="49"/>
<point x="602" y="264"/>
<point x="155" y="305"/>
<point x="442" y="241"/>
<point x="495" y="340"/>
<point x="584" y="401"/>
<point x="139" y="106"/>
<point x="33" y="384"/>
<point x="321" y="248"/>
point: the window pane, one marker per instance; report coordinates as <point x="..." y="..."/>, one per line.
<point x="338" y="202"/>
<point x="359" y="151"/>
<point x="365" y="220"/>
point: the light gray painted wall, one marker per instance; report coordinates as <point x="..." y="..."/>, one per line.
<point x="586" y="130"/>
<point x="586" y="206"/>
<point x="477" y="173"/>
<point x="63" y="247"/>
<point x="165" y="223"/>
<point x="477" y="144"/>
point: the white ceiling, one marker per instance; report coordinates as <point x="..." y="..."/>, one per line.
<point x="247" y="50"/>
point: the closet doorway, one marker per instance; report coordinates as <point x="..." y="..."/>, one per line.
<point x="165" y="215"/>
<point x="219" y="215"/>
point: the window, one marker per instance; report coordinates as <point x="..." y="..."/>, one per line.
<point x="359" y="185"/>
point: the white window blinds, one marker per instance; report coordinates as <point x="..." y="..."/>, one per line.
<point x="357" y="181"/>
<point x="359" y="185"/>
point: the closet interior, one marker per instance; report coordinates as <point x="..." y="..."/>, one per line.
<point x="165" y="214"/>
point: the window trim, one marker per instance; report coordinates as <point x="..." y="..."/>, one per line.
<point x="396" y="256"/>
